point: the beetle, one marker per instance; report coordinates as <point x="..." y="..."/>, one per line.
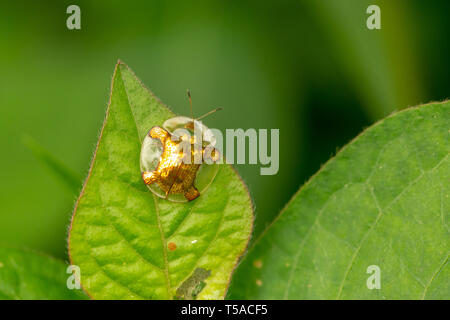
<point x="179" y="166"/>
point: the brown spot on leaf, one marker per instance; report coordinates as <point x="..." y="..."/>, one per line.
<point x="172" y="246"/>
<point x="257" y="264"/>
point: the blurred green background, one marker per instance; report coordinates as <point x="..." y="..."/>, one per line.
<point x="310" y="68"/>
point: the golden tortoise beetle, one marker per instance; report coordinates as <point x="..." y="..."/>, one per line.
<point x="167" y="170"/>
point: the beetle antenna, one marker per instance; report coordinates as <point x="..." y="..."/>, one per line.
<point x="190" y="103"/>
<point x="208" y="113"/>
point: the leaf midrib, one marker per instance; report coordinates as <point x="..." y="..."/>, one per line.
<point x="157" y="211"/>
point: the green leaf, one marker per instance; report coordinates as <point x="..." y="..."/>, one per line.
<point x="120" y="231"/>
<point x="383" y="200"/>
<point x="32" y="276"/>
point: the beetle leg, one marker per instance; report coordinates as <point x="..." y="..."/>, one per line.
<point x="149" y="176"/>
<point x="211" y="153"/>
<point x="159" y="133"/>
<point x="215" y="155"/>
<point x="192" y="193"/>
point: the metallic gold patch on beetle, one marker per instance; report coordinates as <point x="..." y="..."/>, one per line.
<point x="173" y="166"/>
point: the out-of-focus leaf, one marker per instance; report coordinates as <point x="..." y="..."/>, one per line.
<point x="384" y="201"/>
<point x="32" y="276"/>
<point x="380" y="63"/>
<point x="68" y="177"/>
<point x="120" y="231"/>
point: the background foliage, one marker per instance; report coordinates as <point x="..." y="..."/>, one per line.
<point x="383" y="201"/>
<point x="310" y="68"/>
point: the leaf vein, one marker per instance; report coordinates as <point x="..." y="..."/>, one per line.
<point x="436" y="273"/>
<point x="420" y="176"/>
<point x="140" y="256"/>
<point x="302" y="243"/>
<point x="103" y="271"/>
